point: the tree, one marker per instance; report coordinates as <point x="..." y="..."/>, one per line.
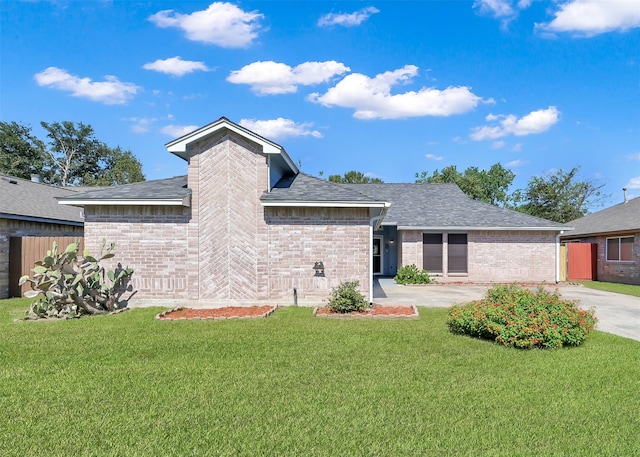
<point x="119" y="167"/>
<point x="560" y="196"/>
<point x="490" y="186"/>
<point x="21" y="153"/>
<point x="354" y="177"/>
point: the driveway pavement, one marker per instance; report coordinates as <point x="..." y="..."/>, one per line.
<point x="617" y="313"/>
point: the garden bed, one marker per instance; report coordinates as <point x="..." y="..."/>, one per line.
<point x="377" y="311"/>
<point x="228" y="312"/>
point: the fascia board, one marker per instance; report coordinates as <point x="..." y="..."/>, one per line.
<point x="134" y="202"/>
<point x="471" y="228"/>
<point x="326" y="204"/>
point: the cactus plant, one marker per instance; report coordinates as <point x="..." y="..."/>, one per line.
<point x="67" y="284"/>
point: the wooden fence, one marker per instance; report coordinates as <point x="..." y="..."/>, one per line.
<point x="25" y="251"/>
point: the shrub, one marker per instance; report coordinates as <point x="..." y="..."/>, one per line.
<point x="70" y="285"/>
<point x="346" y="298"/>
<point x="410" y="274"/>
<point x="515" y="316"/>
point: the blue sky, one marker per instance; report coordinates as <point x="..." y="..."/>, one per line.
<point x="387" y="88"/>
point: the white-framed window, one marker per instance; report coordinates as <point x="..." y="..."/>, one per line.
<point x="620" y="249"/>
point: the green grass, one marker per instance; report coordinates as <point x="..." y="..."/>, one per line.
<point x="626" y="289"/>
<point x="295" y="385"/>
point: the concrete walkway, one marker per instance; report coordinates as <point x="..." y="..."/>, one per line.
<point x="617" y="313"/>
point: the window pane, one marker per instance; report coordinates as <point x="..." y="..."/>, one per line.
<point x="432" y="252"/>
<point x="457" y="253"/>
<point x="612" y="249"/>
<point x="626" y="248"/>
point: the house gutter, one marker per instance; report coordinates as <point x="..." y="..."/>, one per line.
<point x="558" y="256"/>
<point x="373" y="221"/>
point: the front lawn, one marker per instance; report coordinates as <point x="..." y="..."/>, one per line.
<point x="295" y="385"/>
<point x="627" y="289"/>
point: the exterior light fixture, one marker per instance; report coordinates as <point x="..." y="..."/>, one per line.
<point x="319" y="269"/>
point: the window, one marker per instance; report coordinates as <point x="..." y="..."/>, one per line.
<point x="620" y="249"/>
<point x="457" y="252"/>
<point x="432" y="252"/>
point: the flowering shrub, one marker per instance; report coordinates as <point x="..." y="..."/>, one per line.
<point x="515" y="316"/>
<point x="346" y="298"/>
<point x="411" y="274"/>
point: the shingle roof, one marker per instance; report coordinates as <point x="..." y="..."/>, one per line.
<point x="412" y="205"/>
<point x="622" y="217"/>
<point x="446" y="206"/>
<point x="306" y="188"/>
<point x="28" y="200"/>
<point x="161" y="189"/>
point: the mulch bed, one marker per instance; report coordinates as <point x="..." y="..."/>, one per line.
<point x="228" y="312"/>
<point x="383" y="312"/>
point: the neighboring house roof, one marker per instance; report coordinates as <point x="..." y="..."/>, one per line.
<point x="306" y="190"/>
<point x="180" y="146"/>
<point x="23" y="199"/>
<point x="445" y="206"/>
<point x="166" y="192"/>
<point x="623" y="217"/>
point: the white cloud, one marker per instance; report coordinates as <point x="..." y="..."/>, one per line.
<point x="111" y="91"/>
<point x="433" y="157"/>
<point x="516" y="163"/>
<point x="517" y="147"/>
<point x="348" y="19"/>
<point x="280" y="128"/>
<point x="141" y="124"/>
<point x="635" y="156"/>
<point x="498" y="144"/>
<point x="593" y="17"/>
<point x="177" y="131"/>
<point x="535" y="122"/>
<point x="222" y="24"/>
<point x="634" y="183"/>
<point x="496" y="8"/>
<point x="175" y="66"/>
<point x="372" y="99"/>
<point x="278" y="78"/>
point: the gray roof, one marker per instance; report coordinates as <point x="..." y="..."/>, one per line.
<point x="412" y="205"/>
<point x="446" y="206"/>
<point x="161" y="189"/>
<point x="27" y="200"/>
<point x="307" y="188"/>
<point x="623" y="217"/>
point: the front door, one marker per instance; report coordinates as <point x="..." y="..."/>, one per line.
<point x="377" y="255"/>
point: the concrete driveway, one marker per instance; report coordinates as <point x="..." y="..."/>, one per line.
<point x="618" y="314"/>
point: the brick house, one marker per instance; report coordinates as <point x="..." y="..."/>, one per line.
<point x="615" y="232"/>
<point x="29" y="209"/>
<point x="245" y="224"/>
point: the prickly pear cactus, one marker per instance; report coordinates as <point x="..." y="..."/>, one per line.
<point x="66" y="284"/>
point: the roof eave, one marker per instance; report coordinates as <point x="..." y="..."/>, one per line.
<point x="471" y="228"/>
<point x="184" y="201"/>
<point x="45" y="220"/>
<point x="325" y="204"/>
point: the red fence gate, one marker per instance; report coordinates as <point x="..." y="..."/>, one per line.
<point x="582" y="261"/>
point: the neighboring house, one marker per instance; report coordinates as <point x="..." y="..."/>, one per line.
<point x="29" y="208"/>
<point x="615" y="234"/>
<point x="245" y="224"/>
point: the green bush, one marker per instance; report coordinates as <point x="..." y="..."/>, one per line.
<point x="410" y="274"/>
<point x="515" y="316"/>
<point x="346" y="298"/>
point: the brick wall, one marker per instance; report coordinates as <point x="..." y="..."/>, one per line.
<point x="300" y="237"/>
<point x="11" y="227"/>
<point x="493" y="256"/>
<point x="150" y="239"/>
<point x="227" y="246"/>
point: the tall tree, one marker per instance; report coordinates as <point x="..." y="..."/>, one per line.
<point x="353" y="177"/>
<point x="560" y="196"/>
<point x="489" y="186"/>
<point x="77" y="158"/>
<point x="21" y="153"/>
